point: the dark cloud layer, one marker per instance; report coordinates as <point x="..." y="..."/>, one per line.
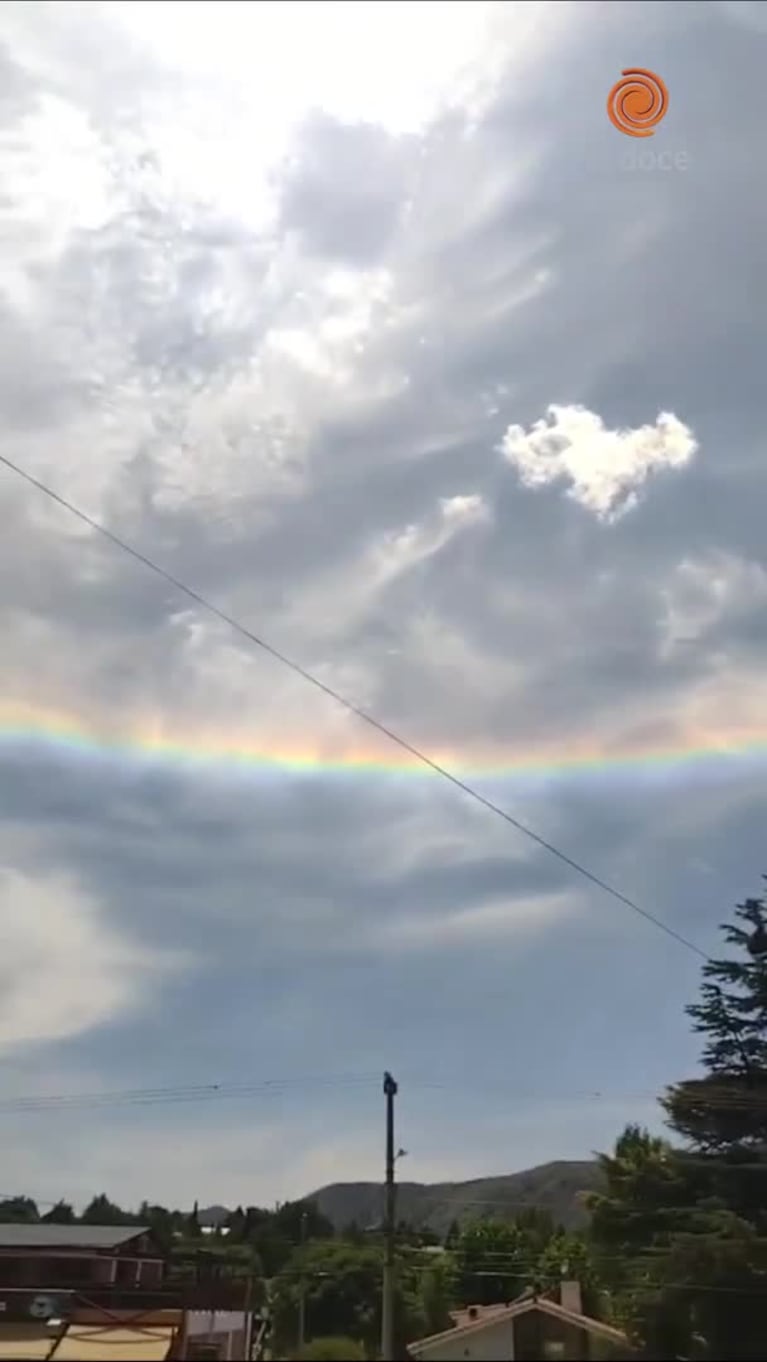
<point x="300" y="411"/>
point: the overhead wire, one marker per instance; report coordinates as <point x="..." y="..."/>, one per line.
<point x="714" y="1094"/>
<point x="722" y="1099"/>
<point x="311" y="679"/>
<point x="192" y="1093"/>
<point x="634" y="1288"/>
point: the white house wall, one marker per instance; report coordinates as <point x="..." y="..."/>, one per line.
<point x="494" y="1343"/>
<point x="210" y="1322"/>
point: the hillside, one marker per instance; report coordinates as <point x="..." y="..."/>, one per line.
<point x="554" y="1187"/>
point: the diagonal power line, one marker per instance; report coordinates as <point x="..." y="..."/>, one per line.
<point x="369" y="719"/>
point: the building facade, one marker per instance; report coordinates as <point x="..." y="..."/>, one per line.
<point x="78" y="1257"/>
<point x="531" y="1329"/>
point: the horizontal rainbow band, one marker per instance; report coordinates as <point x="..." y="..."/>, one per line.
<point x="71" y="735"/>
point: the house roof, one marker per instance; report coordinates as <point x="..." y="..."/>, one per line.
<point x="129" y="1319"/>
<point x="83" y="1342"/>
<point x="492" y="1315"/>
<point x="68" y="1236"/>
<point x="472" y="1314"/>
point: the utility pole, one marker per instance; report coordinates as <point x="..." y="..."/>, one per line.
<point x="387" y="1311"/>
<point x="248" y="1316"/>
<point x="302" y="1296"/>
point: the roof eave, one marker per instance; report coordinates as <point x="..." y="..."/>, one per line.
<point x="513" y="1311"/>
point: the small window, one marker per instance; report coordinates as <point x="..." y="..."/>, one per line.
<point x="553" y="1348"/>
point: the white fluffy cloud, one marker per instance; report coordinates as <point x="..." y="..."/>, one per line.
<point x="604" y="467"/>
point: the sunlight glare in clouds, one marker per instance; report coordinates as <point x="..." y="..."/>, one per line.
<point x="388" y="64"/>
<point x="259" y="70"/>
<point x="54" y="166"/>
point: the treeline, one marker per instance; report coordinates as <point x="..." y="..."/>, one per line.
<point x="263" y="1239"/>
<point x="295" y="1248"/>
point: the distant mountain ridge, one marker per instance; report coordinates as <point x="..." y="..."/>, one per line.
<point x="554" y="1187"/>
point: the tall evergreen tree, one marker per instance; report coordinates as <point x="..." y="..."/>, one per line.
<point x="684" y="1230"/>
<point x="723" y="1115"/>
<point x="726" y="1110"/>
<point x="193" y="1223"/>
<point x="646" y="1194"/>
<point x="717" y="1261"/>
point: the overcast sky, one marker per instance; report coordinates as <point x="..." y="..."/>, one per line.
<point x="367" y="323"/>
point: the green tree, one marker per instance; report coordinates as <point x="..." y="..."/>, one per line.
<point x="536" y="1227"/>
<point x="60" y="1214"/>
<point x="192" y="1227"/>
<point x="296" y="1218"/>
<point x="718" y="1258"/>
<point x="333" y="1350"/>
<point x="102" y="1211"/>
<point x="704" y="1297"/>
<point x="492" y="1263"/>
<point x="276" y="1235"/>
<point x="436" y="1297"/>
<point x="687" y="1228"/>
<point x="341" y="1283"/>
<point x="19" y="1210"/>
<point x="162" y="1223"/>
<point x="255" y="1219"/>
<point x="723" y="1115"/>
<point x="569" y="1257"/>
<point x="645" y="1190"/>
<point x="235" y="1223"/>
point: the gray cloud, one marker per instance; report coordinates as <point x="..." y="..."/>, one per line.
<point x="279" y="408"/>
<point x="345" y="190"/>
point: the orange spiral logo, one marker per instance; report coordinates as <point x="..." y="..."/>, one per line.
<point x="637" y="103"/>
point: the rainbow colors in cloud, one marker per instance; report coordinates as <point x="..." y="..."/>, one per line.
<point x="152" y="742"/>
